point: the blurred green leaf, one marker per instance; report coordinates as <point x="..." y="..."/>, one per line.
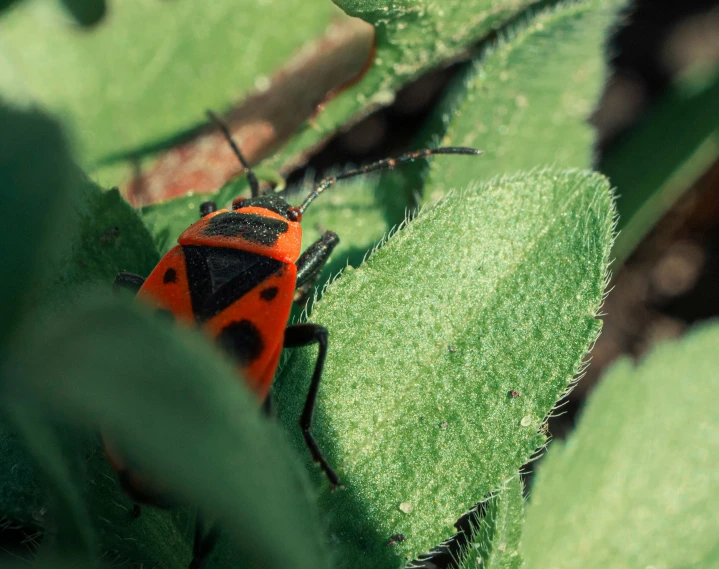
<point x="36" y="178"/>
<point x="660" y="158"/>
<point x="150" y="71"/>
<point x="494" y="289"/>
<point x="178" y="413"/>
<point x="496" y="543"/>
<point x="637" y="483"/>
<point x="526" y="100"/>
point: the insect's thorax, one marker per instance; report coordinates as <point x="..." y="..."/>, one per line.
<point x="252" y="229"/>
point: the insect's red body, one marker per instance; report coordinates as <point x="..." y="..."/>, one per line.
<point x="198" y="282"/>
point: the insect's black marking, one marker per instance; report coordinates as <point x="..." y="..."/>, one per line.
<point x="170" y="276"/>
<point x="249" y="226"/>
<point x="242" y="340"/>
<point x="269" y="293"/>
<point x="273" y="202"/>
<point x="219" y="276"/>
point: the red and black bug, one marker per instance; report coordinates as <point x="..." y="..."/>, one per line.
<point x="235" y="274"/>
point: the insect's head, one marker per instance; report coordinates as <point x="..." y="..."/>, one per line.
<point x="271" y="201"/>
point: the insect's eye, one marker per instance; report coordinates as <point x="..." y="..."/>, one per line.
<point x="294" y="214"/>
<point x="237" y="203"/>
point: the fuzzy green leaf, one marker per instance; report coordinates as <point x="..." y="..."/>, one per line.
<point x="526" y="101"/>
<point x="109" y="237"/>
<point x="147" y="74"/>
<point x="496" y="543"/>
<point x="177" y="411"/>
<point x="494" y="289"/>
<point x="637" y="483"/>
<point x="651" y="169"/>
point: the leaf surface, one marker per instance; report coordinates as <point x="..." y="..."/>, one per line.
<point x="493" y="290"/>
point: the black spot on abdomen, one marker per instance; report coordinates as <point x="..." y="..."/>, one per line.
<point x="170" y="276"/>
<point x="269" y="294"/>
<point x="248" y="226"/>
<point x="242" y="340"/>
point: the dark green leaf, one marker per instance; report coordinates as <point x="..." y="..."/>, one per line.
<point x="494" y="289"/>
<point x="176" y="411"/>
<point x="109" y="237"/>
<point x="36" y="182"/>
<point x="68" y="531"/>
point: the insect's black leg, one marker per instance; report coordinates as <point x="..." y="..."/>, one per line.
<point x="267" y="407"/>
<point x="297" y="336"/>
<point x="251" y="178"/>
<point x="127" y="281"/>
<point x="207" y="207"/>
<point x="204" y="543"/>
<point x="311" y="262"/>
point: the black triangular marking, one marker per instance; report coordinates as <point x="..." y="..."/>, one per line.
<point x="219" y="276"/>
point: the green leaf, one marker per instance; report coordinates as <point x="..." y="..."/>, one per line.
<point x="36" y="179"/>
<point x="492" y="290"/>
<point x="660" y="158"/>
<point x="109" y="237"/>
<point x="526" y="100"/>
<point x="496" y="543"/>
<point x="177" y="412"/>
<point x="149" y="72"/>
<point x="637" y="483"/>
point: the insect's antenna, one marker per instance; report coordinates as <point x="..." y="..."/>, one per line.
<point x="251" y="178"/>
<point x="386" y="164"/>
